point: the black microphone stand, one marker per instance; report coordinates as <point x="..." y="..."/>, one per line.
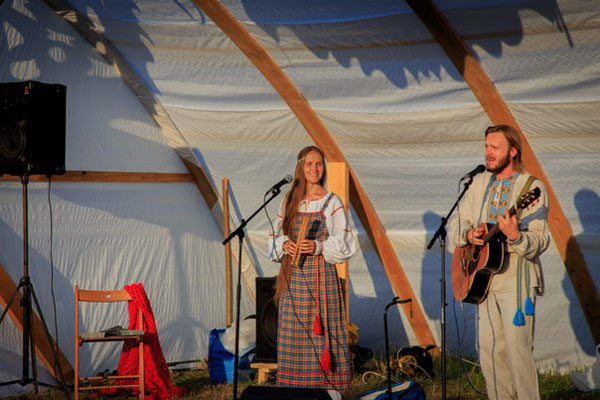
<point x="396" y="300"/>
<point x="239" y="232"/>
<point x="441" y="233"/>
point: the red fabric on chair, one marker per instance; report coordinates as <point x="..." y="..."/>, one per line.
<point x="157" y="380"/>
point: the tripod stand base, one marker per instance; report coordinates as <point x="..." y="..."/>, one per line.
<point x="29" y="381"/>
<point x="25" y="301"/>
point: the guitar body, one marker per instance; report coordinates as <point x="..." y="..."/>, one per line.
<point x="473" y="267"/>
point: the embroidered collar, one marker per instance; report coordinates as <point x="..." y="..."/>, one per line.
<point x="501" y="191"/>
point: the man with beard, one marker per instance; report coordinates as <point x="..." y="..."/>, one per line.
<point x="506" y="315"/>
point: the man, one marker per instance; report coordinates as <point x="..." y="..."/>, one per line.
<point x="505" y="328"/>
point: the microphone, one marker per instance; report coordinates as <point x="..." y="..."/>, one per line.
<point x="287" y="179"/>
<point x="480" y="168"/>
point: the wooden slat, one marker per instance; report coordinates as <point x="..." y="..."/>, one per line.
<point x="338" y="181"/>
<point x="105" y="176"/>
<point x="42" y="347"/>
<point x="323" y="139"/>
<point x="497" y="110"/>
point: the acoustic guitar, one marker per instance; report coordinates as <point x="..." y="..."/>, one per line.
<point x="473" y="267"/>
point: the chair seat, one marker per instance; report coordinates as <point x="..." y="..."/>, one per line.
<point x="122" y="334"/>
<point x="90" y="339"/>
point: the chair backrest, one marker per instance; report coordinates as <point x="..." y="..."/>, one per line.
<point x="101" y="296"/>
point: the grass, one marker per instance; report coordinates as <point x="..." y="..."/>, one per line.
<point x="553" y="385"/>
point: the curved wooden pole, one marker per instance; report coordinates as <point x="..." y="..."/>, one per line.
<point x="323" y="139"/>
<point x="497" y="110"/>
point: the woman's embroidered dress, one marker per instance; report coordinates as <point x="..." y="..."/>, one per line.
<point x="314" y="285"/>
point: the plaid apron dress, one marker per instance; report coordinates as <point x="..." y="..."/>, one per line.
<point x="314" y="284"/>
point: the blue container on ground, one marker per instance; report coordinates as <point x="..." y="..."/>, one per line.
<point x="221" y="360"/>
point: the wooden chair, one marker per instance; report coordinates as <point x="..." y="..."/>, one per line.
<point x="106" y="382"/>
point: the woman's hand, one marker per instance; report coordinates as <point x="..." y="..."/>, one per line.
<point x="307" y="246"/>
<point x="290" y="248"/>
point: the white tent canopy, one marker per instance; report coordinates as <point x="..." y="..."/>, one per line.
<point x="401" y="113"/>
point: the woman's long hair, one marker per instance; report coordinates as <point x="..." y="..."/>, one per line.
<point x="291" y="203"/>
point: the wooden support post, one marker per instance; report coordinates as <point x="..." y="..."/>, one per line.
<point x="228" y="272"/>
<point x="338" y="181"/>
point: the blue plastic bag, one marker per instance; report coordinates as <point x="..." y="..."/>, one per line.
<point x="221" y="360"/>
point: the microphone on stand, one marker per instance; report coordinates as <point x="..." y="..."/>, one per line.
<point x="287" y="179"/>
<point x="479" y="169"/>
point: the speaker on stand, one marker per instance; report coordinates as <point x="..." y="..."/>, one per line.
<point x="266" y="321"/>
<point x="32" y="128"/>
<point x="32" y="141"/>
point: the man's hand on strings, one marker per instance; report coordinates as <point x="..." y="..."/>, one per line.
<point x="509" y="226"/>
<point x="475" y="236"/>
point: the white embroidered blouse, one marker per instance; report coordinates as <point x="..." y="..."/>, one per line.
<point x="340" y="245"/>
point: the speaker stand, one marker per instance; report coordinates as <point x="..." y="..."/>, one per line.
<point x="28" y="336"/>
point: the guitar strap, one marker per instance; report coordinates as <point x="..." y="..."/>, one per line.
<point x="525" y="190"/>
<point x="519" y="319"/>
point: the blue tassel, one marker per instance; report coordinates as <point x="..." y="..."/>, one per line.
<point x="529" y="309"/>
<point x="519" y="319"/>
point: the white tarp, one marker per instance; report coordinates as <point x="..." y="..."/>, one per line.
<point x="399" y="110"/>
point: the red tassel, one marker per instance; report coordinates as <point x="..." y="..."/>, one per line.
<point x="317" y="327"/>
<point x="326" y="361"/>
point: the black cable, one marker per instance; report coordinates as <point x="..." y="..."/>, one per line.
<point x="54" y="348"/>
<point x="294" y="307"/>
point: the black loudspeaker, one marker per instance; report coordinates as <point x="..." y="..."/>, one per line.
<point x="266" y="321"/>
<point x="283" y="393"/>
<point x="32" y="128"/>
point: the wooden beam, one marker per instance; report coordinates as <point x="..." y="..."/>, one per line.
<point x="42" y="347"/>
<point x="207" y="190"/>
<point x="323" y="139"/>
<point x="104" y="176"/>
<point x="497" y="110"/>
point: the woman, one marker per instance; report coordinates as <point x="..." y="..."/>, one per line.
<point x="312" y="344"/>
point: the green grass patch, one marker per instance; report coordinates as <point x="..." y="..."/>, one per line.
<point x="553" y="385"/>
